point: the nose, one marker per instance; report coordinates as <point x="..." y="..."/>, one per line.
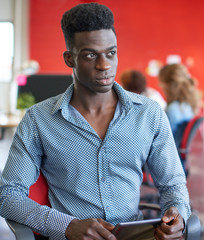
<point x="102" y="63"/>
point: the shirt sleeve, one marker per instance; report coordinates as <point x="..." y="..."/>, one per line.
<point x="20" y="172"/>
<point x="166" y="169"/>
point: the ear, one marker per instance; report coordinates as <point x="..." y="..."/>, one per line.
<point x="68" y="59"/>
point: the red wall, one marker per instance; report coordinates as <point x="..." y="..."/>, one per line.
<point x="146" y="29"/>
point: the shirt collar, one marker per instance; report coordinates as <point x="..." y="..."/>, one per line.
<point x="64" y="100"/>
<point x="127" y="99"/>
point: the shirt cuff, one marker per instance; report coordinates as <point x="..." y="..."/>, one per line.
<point x="57" y="223"/>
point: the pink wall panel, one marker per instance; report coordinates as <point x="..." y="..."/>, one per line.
<point x="146" y="30"/>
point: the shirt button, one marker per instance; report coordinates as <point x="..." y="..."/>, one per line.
<point x="103" y="179"/>
<point x="107" y="208"/>
<point x="103" y="148"/>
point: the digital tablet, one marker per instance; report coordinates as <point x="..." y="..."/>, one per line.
<point x="140" y="230"/>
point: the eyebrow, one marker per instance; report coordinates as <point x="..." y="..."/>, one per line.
<point x="94" y="50"/>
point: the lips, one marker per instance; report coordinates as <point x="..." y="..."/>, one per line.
<point x="104" y="77"/>
<point x="105" y="80"/>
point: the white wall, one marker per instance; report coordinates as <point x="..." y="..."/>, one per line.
<point x="4" y="97"/>
<point x="15" y="11"/>
<point x="6" y="10"/>
<point x="6" y="14"/>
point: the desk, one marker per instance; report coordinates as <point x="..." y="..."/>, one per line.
<point x="8" y="121"/>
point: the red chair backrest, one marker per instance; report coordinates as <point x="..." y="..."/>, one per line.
<point x="39" y="191"/>
<point x="189" y="132"/>
<point x="147" y="178"/>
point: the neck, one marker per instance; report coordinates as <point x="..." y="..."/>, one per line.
<point x="94" y="103"/>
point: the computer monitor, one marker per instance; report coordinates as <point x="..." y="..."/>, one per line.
<point x="43" y="86"/>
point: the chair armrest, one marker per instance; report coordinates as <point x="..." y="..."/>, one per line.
<point x="193" y="228"/>
<point x="151" y="206"/>
<point x="20" y="231"/>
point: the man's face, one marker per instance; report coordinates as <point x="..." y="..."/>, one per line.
<point x="94" y="60"/>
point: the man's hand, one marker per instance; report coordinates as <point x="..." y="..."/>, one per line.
<point x="171" y="227"/>
<point x="89" y="229"/>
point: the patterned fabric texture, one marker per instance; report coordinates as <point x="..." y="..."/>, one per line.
<point x="88" y="177"/>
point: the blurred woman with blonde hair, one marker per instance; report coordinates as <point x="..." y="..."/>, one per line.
<point x="181" y="95"/>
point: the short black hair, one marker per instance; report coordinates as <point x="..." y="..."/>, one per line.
<point x="85" y="17"/>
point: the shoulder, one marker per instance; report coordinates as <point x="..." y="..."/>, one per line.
<point x="144" y="106"/>
<point x="42" y="112"/>
<point x="53" y="104"/>
<point x="155" y="95"/>
<point x="141" y="104"/>
<point x="46" y="105"/>
<point x="139" y="98"/>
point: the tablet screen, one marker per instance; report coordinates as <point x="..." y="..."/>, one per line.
<point x="140" y="230"/>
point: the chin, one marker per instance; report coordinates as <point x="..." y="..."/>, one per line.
<point x="105" y="89"/>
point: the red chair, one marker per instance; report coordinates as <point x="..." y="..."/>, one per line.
<point x="189" y="133"/>
<point x="39" y="193"/>
<point x="188" y="136"/>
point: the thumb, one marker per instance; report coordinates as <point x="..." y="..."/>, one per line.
<point x="170" y="215"/>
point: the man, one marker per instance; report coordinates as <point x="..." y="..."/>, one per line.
<point x="90" y="144"/>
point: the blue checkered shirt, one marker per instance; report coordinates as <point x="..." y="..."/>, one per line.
<point x="88" y="177"/>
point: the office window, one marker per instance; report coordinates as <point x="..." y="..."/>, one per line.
<point x="6" y="51"/>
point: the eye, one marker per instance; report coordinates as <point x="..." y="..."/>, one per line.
<point x="111" y="53"/>
<point x="90" y="55"/>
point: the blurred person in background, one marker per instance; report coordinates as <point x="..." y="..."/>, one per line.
<point x="135" y="81"/>
<point x="182" y="98"/>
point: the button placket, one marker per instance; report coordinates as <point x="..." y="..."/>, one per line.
<point x="103" y="183"/>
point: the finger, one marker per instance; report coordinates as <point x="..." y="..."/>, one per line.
<point x="93" y="234"/>
<point x="174" y="219"/>
<point x="160" y="234"/>
<point x="96" y="231"/>
<point x="166" y="231"/>
<point x="171" y="229"/>
<point x="99" y="231"/>
<point x="105" y="231"/>
<point x="105" y="224"/>
<point x="88" y="229"/>
<point x="170" y="214"/>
